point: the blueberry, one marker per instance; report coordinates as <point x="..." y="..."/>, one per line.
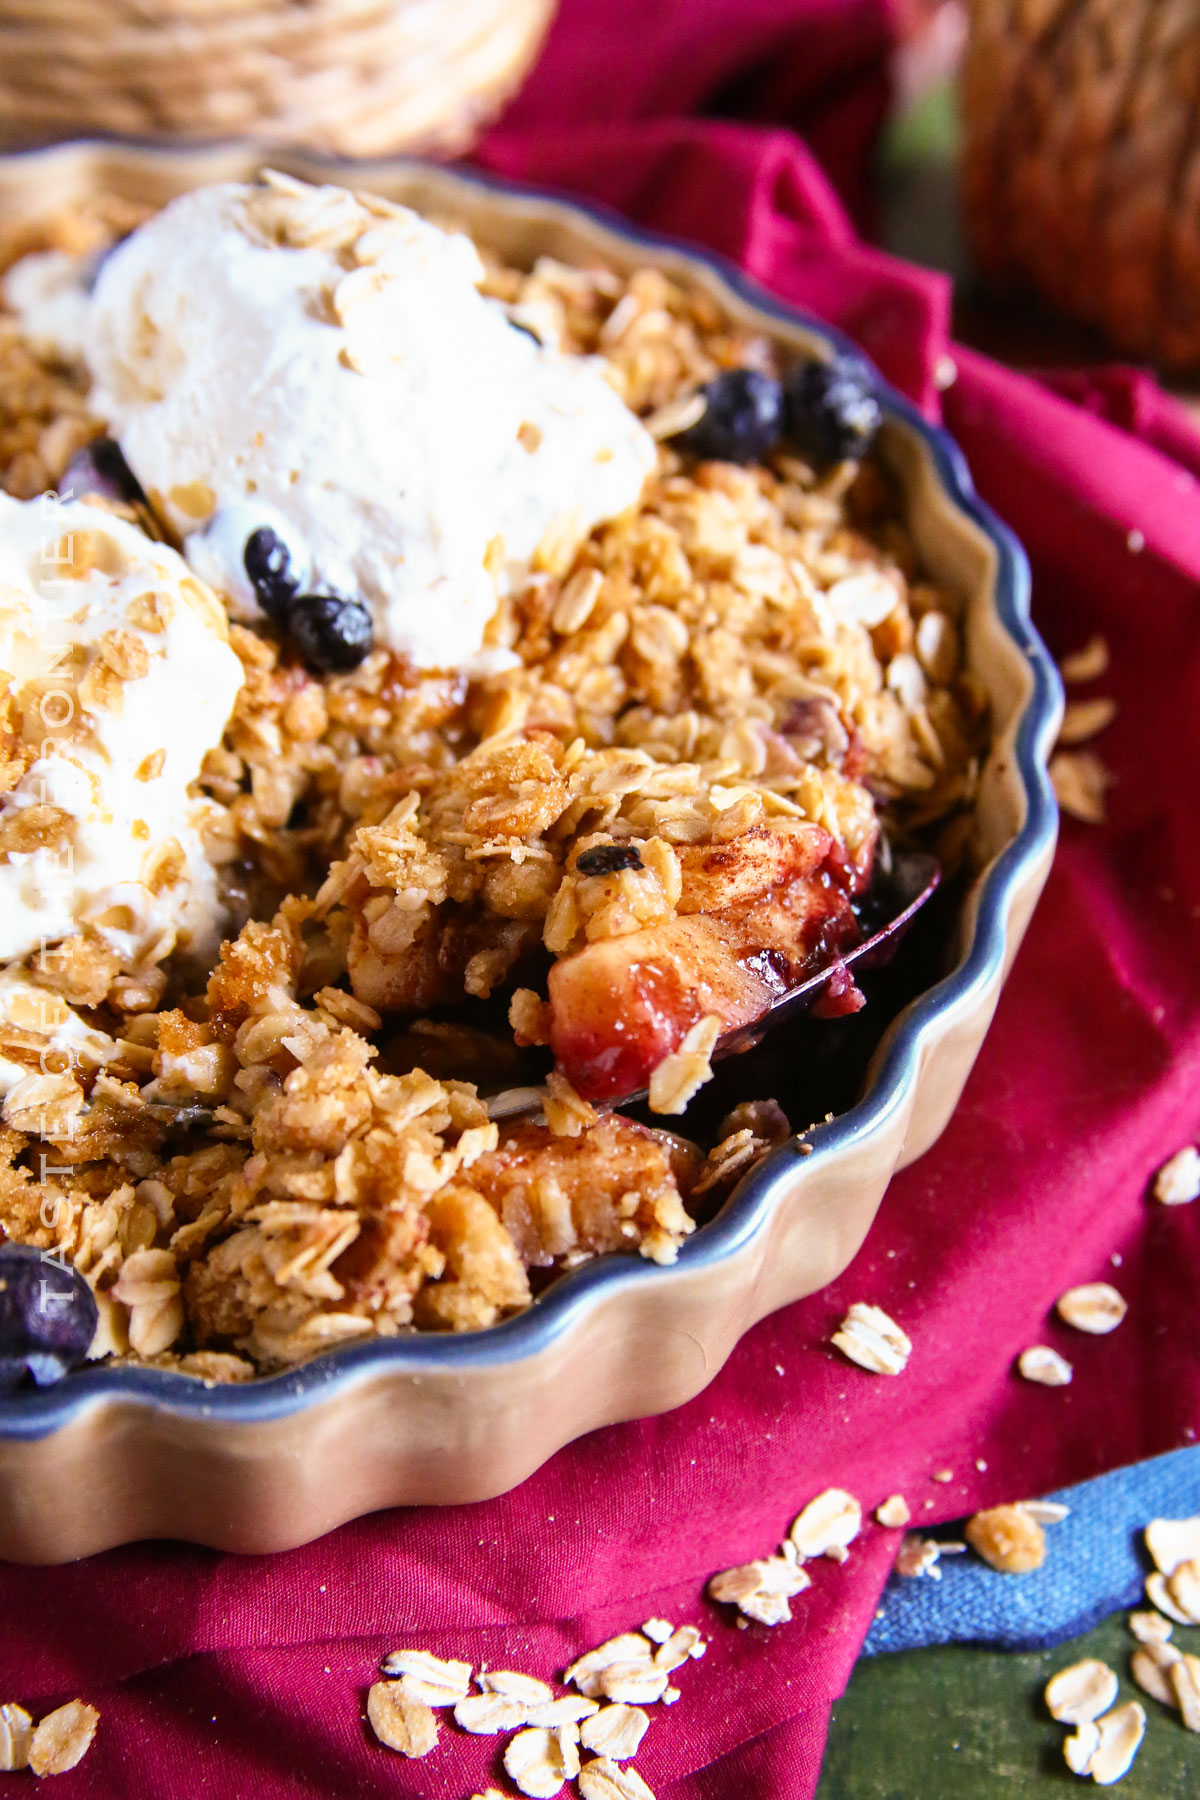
<point x="221" y="554"/>
<point x="48" y="1316"/>
<point x="268" y="564"/>
<point x="100" y="468"/>
<point x="832" y="411"/>
<point x="743" y="417"/>
<point x="608" y="859"/>
<point x="332" y="634"/>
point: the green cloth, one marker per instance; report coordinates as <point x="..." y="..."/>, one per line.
<point x="959" y="1724"/>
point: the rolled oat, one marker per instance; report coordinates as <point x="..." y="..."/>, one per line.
<point x="615" y="1732"/>
<point x="1121" y="1733"/>
<point x="1178" y="1181"/>
<point x="630" y="1647"/>
<point x="761" y="1590"/>
<point x="16" y="1736"/>
<point x="1185" y="1680"/>
<point x="603" y="1779"/>
<point x="1150" y="1627"/>
<point x="1081" y="1747"/>
<point x="827" y="1524"/>
<point x="1172" y="1541"/>
<point x="1081" y="783"/>
<point x="1044" y="1366"/>
<point x="1150" y="1665"/>
<point x="869" y="1338"/>
<point x="1160" y="1596"/>
<point x="1096" y="1308"/>
<point x="1080" y="1692"/>
<point x="539" y="1761"/>
<point x="62" y="1738"/>
<point x="400" y="1720"/>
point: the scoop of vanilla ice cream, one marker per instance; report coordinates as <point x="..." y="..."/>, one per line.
<point x="326" y="362"/>
<point x="117" y="677"/>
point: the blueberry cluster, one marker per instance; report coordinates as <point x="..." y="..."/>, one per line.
<point x="332" y="633"/>
<point x="828" y="410"/>
<point x="48" y="1316"/>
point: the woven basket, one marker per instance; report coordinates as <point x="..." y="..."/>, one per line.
<point x="1081" y="171"/>
<point x="352" y="77"/>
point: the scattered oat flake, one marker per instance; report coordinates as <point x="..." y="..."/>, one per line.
<point x="1184" y="1588"/>
<point x="62" y="1738"/>
<point x="830" y="1522"/>
<point x="1081" y="1692"/>
<point x="1159" y="1595"/>
<point x="1087" y="664"/>
<point x="761" y="1590"/>
<point x="1172" y="1541"/>
<point x="1095" y="1308"/>
<point x="605" y="1780"/>
<point x="568" y="1709"/>
<point x="1045" y="1366"/>
<point x="657" y="1630"/>
<point x="1150" y="1627"/>
<point x="16" y="1734"/>
<point x="515" y="1686"/>
<point x="1080" y="1748"/>
<point x="483" y="1715"/>
<point x="1046" y="1512"/>
<point x="429" y="1678"/>
<point x="1121" y="1733"/>
<point x="680" y="1647"/>
<point x="676" y="416"/>
<point x="684" y="1072"/>
<point x="1081" y="783"/>
<point x="539" y="1761"/>
<point x="1178" y="1181"/>
<point x="671" y="1695"/>
<point x="400" y="1720"/>
<point x="1084" y="719"/>
<point x="1185" y="1679"/>
<point x="584" y="1672"/>
<point x="918" y="1556"/>
<point x="615" y="1731"/>
<point x="893" y="1512"/>
<point x="1007" y="1539"/>
<point x="869" y="1338"/>
<point x="1150" y="1666"/>
<point x="634" y="1682"/>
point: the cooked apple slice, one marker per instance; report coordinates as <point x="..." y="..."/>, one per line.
<point x="622" y="1004"/>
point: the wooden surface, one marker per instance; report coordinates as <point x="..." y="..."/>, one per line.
<point x="960" y="1724"/>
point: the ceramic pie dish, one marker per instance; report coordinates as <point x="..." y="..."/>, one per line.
<point x="114" y="1454"/>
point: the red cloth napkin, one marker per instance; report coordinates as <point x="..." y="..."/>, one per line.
<point x="218" y="1675"/>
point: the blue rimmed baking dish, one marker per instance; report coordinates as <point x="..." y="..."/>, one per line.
<point x="114" y="1454"/>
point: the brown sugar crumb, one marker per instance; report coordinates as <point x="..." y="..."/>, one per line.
<point x="1008" y="1539"/>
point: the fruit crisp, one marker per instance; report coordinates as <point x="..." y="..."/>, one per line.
<point x="579" y="671"/>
